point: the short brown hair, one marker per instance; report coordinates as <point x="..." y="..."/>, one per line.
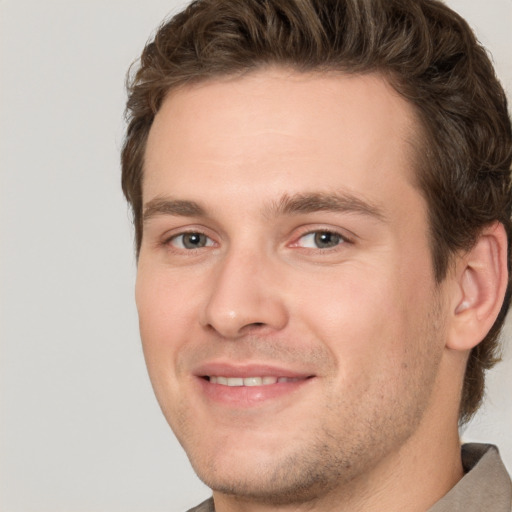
<point x="430" y="56"/>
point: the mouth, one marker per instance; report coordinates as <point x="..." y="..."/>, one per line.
<point x="250" y="381"/>
<point x="249" y="385"/>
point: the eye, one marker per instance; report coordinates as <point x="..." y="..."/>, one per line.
<point x="193" y="240"/>
<point x="320" y="240"/>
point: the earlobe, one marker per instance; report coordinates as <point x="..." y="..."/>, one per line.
<point x="481" y="282"/>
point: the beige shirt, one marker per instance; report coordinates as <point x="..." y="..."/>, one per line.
<point x="486" y="486"/>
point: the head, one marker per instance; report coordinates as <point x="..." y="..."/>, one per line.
<point x="426" y="52"/>
<point x="266" y="149"/>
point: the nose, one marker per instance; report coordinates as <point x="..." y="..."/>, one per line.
<point x="246" y="296"/>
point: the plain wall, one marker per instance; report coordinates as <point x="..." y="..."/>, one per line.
<point x="80" y="428"/>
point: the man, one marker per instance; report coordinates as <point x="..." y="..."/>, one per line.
<point x="321" y="197"/>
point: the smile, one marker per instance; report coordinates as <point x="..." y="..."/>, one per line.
<point x="248" y="386"/>
<point x="249" y="381"/>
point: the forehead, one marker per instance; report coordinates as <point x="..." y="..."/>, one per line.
<point x="300" y="130"/>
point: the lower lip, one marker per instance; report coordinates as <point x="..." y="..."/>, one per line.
<point x="249" y="396"/>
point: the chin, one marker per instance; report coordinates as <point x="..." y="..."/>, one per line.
<point x="272" y="478"/>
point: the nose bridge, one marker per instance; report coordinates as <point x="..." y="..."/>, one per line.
<point x="245" y="293"/>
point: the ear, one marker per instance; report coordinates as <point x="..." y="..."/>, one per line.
<point x="481" y="279"/>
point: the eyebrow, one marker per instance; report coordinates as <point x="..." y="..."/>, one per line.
<point x="331" y="202"/>
<point x="175" y="207"/>
<point x="287" y="205"/>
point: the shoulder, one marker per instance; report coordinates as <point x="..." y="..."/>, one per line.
<point x="486" y="484"/>
<point x="206" y="506"/>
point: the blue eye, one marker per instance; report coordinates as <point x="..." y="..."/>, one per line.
<point x="321" y="240"/>
<point x="191" y="241"/>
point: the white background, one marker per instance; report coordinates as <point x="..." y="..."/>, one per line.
<point x="80" y="428"/>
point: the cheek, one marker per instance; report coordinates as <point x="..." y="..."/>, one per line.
<point x="164" y="300"/>
<point x="353" y="299"/>
<point x="366" y="317"/>
<point x="164" y="309"/>
<point x="166" y="312"/>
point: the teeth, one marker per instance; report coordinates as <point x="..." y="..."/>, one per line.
<point x="249" y="381"/>
<point x="253" y="381"/>
<point x="286" y="379"/>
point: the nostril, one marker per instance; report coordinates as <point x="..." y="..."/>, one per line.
<point x="253" y="327"/>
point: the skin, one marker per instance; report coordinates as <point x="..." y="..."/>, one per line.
<point x="360" y="320"/>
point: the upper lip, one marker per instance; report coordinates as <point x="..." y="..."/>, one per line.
<point x="247" y="370"/>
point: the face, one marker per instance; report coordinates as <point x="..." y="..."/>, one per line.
<point x="289" y="316"/>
